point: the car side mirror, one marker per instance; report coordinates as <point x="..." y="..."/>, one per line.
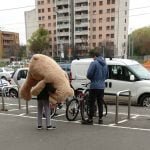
<point x="132" y="77"/>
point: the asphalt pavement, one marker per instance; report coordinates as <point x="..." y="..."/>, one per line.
<point x="18" y="130"/>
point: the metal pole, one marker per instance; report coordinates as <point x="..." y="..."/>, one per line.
<point x="27" y="107"/>
<point x="3" y="103"/>
<point x="19" y="102"/>
<point x="116" y="116"/>
<point x="129" y="105"/>
<point x="72" y="28"/>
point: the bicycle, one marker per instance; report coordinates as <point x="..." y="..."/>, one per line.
<point x="53" y="109"/>
<point x="79" y="103"/>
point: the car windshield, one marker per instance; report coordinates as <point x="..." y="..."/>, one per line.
<point x="8" y="69"/>
<point x="140" y="71"/>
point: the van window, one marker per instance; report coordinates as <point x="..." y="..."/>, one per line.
<point x="22" y="74"/>
<point x="119" y="73"/>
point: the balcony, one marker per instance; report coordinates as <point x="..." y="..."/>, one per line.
<point x="63" y="33"/>
<point x="63" y="26"/>
<point x="82" y="16"/>
<point x="62" y="18"/>
<point x="82" y="24"/>
<point x="81" y="1"/>
<point x="62" y="2"/>
<point x="81" y="8"/>
<point x="84" y="32"/>
<point x="64" y="10"/>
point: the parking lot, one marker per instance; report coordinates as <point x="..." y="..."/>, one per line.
<point x="18" y="130"/>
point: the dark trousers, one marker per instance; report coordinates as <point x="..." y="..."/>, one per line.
<point x="96" y="95"/>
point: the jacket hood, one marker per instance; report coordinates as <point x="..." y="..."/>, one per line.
<point x="101" y="60"/>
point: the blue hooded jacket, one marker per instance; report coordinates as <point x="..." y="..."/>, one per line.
<point x="97" y="73"/>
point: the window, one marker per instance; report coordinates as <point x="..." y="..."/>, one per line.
<point x="113" y="1"/>
<point x="39" y="10"/>
<point x="108" y="1"/>
<point x="108" y="10"/>
<point x="49" y="24"/>
<point x="107" y="35"/>
<point x="112" y="27"/>
<point x="94" y="20"/>
<point x="100" y="11"/>
<point x="94" y="36"/>
<point x="113" y="10"/>
<point x="112" y="18"/>
<point x="107" y="27"/>
<point x="100" y="20"/>
<point x="100" y="3"/>
<point x="43" y="10"/>
<point x="119" y="73"/>
<point x="112" y="35"/>
<point x="94" y="44"/>
<point x="100" y="28"/>
<point x="94" y="28"/>
<point x="49" y="9"/>
<point x="43" y="17"/>
<point x="94" y="3"/>
<point x="108" y="19"/>
<point x="100" y="43"/>
<point x="100" y="36"/>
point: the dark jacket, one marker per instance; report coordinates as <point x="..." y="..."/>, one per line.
<point x="97" y="73"/>
<point x="44" y="95"/>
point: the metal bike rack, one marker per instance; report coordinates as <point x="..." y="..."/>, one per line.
<point x="117" y="104"/>
<point x="3" y="93"/>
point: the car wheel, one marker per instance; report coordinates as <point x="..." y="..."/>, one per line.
<point x="145" y="100"/>
<point x="13" y="93"/>
<point x="4" y="78"/>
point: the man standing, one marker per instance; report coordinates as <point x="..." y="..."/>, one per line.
<point x="97" y="73"/>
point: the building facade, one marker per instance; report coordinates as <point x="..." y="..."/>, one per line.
<point x="9" y="44"/>
<point x="76" y="26"/>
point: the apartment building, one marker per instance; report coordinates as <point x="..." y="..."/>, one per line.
<point x="9" y="44"/>
<point x="81" y="25"/>
<point x="31" y="22"/>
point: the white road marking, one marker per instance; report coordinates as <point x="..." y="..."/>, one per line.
<point x="65" y="121"/>
<point x="13" y="109"/>
<point x="134" y="116"/>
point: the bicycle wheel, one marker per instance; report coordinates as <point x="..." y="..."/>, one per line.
<point x="72" y="109"/>
<point x="83" y="109"/>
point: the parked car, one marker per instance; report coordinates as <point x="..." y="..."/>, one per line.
<point x="66" y="67"/>
<point x="19" y="76"/>
<point x="9" y="90"/>
<point x="6" y="73"/>
<point x="124" y="74"/>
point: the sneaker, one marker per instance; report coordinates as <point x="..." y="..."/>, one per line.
<point x="87" y="122"/>
<point x="100" y="121"/>
<point x="51" y="127"/>
<point x="39" y="127"/>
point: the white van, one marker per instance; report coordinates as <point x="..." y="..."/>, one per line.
<point x="124" y="74"/>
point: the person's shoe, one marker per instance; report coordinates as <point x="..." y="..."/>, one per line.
<point x="51" y="127"/>
<point x="39" y="127"/>
<point x="87" y="122"/>
<point x="100" y="121"/>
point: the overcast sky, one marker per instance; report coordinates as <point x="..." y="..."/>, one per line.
<point x="13" y="19"/>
